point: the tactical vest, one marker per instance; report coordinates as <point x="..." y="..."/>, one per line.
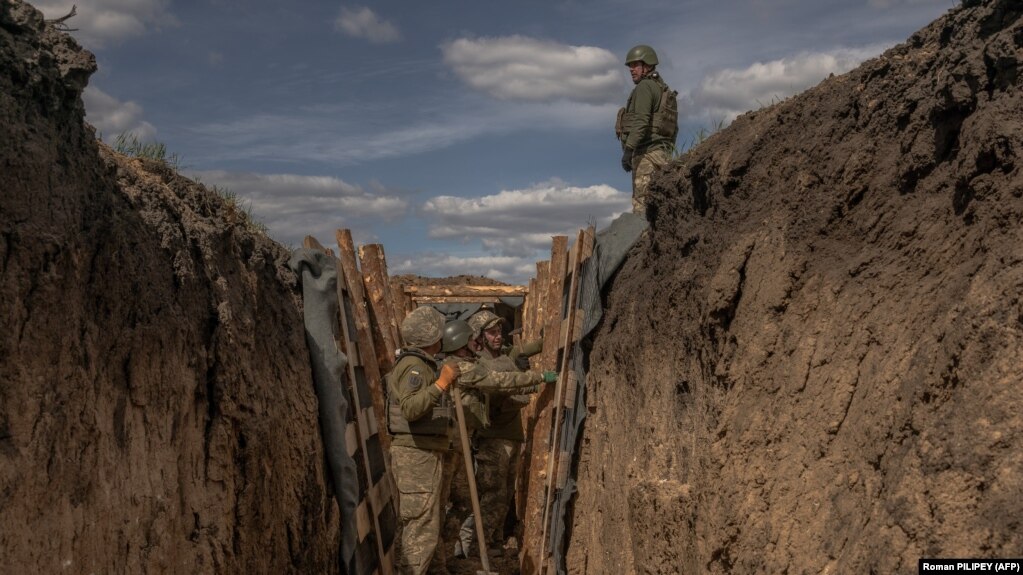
<point x="665" y="118"/>
<point x="438" y="423"/>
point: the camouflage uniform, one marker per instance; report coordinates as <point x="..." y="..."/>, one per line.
<point x="424" y="444"/>
<point x="651" y="148"/>
<point x="481" y="386"/>
<point x="423" y="478"/>
<point x="498" y="447"/>
<point x="643" y="168"/>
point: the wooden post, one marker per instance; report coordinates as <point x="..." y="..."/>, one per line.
<point x="538" y="415"/>
<point x="374" y="267"/>
<point x="543" y="272"/>
<point x="401" y="306"/>
<point x="466" y="291"/>
<point x="363" y="330"/>
<point x="555" y="289"/>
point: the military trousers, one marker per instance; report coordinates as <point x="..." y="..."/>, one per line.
<point x="496" y="462"/>
<point x="423" y="478"/>
<point x="643" y="167"/>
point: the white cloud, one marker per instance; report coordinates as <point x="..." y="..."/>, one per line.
<point x="293" y="206"/>
<point x="364" y="23"/>
<point x="890" y="3"/>
<point x="730" y="92"/>
<point x="102" y="22"/>
<point x="515" y="270"/>
<point x="514" y="227"/>
<point x="113" y="117"/>
<point x="339" y="135"/>
<point x="522" y="68"/>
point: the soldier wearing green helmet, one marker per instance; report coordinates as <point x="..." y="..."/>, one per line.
<point x="420" y="418"/>
<point x="477" y="380"/>
<point x="647" y="125"/>
<point x="497" y="446"/>
<point x="482" y="383"/>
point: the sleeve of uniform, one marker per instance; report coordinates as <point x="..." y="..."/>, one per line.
<point x="485" y="379"/>
<point x="645" y="99"/>
<point x="528" y="349"/>
<point x="417" y="394"/>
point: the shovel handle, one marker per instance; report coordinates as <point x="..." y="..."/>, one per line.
<point x="473" y="494"/>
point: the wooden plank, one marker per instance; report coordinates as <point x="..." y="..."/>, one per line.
<point x="351" y="439"/>
<point x="363" y="524"/>
<point x="401" y="304"/>
<point x="455" y="299"/>
<point x="571" y="384"/>
<point x="543" y="278"/>
<point x="555" y="289"/>
<point x="363" y="348"/>
<point x="581" y="251"/>
<point x="378" y="289"/>
<point x="345" y="303"/>
<point x="533" y="310"/>
<point x="467" y="290"/>
<point x="537" y="416"/>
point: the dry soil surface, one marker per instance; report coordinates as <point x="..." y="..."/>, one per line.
<point x="813" y="361"/>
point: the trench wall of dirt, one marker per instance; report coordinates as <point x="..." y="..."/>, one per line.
<point x="812" y="363"/>
<point x="156" y="407"/>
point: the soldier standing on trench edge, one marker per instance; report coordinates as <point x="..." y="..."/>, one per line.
<point x="647" y="125"/>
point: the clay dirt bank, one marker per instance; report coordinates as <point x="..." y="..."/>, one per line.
<point x="820" y="342"/>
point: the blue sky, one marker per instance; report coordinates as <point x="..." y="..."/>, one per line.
<point x="461" y="136"/>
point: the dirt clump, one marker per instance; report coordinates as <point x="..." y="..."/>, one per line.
<point x="812" y="363"/>
<point x="156" y="406"/>
<point x="459" y="280"/>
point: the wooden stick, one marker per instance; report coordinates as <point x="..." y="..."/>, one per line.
<point x="473" y="494"/>
<point x="421" y="299"/>
<point x="580" y="252"/>
<point x="364" y="330"/>
<point x="467" y="290"/>
<point x="375" y="276"/>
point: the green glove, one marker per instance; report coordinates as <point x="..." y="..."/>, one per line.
<point x="550" y="376"/>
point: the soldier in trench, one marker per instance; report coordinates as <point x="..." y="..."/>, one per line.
<point x="491" y="383"/>
<point x="424" y="445"/>
<point x="497" y="446"/>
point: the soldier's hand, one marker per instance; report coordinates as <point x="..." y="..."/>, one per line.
<point x="550" y="376"/>
<point x="448" y="374"/>
<point x="627" y="159"/>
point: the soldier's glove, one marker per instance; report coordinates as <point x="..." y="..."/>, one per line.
<point x="448" y="375"/>
<point x="550" y="376"/>
<point x="627" y="159"/>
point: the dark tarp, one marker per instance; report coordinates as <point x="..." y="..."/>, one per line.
<point x="453" y="311"/>
<point x="610" y="247"/>
<point x="318" y="274"/>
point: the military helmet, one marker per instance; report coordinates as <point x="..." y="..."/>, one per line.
<point x="483" y="320"/>
<point x="457" y="334"/>
<point x="641" y="53"/>
<point x="422" y="327"/>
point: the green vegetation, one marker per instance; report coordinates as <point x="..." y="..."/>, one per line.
<point x="129" y="145"/>
<point x="237" y="210"/>
<point x="696" y="139"/>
